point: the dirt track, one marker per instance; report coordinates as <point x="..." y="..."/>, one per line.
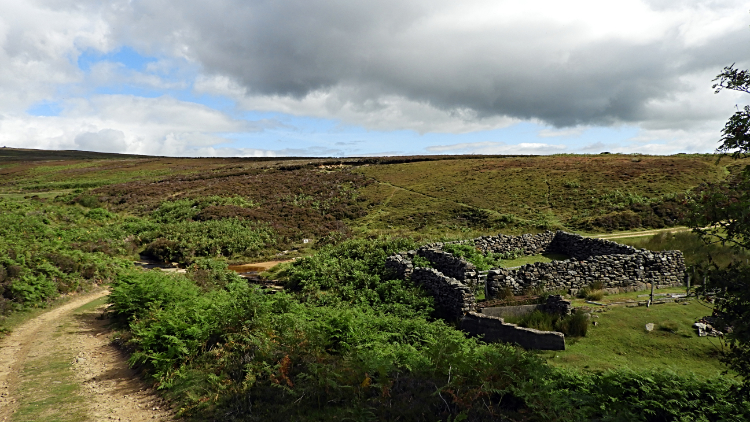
<point x="624" y="235"/>
<point x="103" y="387"/>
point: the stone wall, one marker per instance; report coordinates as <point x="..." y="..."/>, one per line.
<point x="449" y="264"/>
<point x="579" y="247"/>
<point x="452" y="298"/>
<point x="493" y="329"/>
<point x="616" y="272"/>
<point x="617" y="267"/>
<point x="400" y="265"/>
<point x="531" y="244"/>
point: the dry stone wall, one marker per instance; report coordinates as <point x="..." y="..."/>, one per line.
<point x="492" y="329"/>
<point x="452" y="297"/>
<point x="450" y="281"/>
<point x="618" y="267"/>
<point x="621" y="273"/>
<point x="531" y="244"/>
<point x="579" y="247"/>
<point x="449" y="264"/>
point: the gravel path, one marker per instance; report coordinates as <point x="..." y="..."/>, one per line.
<point x="110" y="390"/>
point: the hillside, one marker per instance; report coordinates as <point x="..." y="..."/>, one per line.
<point x="336" y="336"/>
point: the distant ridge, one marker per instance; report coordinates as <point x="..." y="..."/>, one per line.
<point x="8" y="154"/>
<point x="24" y="154"/>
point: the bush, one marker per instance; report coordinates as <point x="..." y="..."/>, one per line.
<point x="183" y="241"/>
<point x="482" y="261"/>
<point x="135" y="292"/>
<point x="595" y="295"/>
<point x="164" y="250"/>
<point x="353" y="273"/>
<point x="88" y="201"/>
<point x="574" y="325"/>
<point x="538" y="320"/>
<point x="210" y="274"/>
<point x="33" y="290"/>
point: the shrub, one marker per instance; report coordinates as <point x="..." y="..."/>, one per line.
<point x="164" y="250"/>
<point x="538" y="320"/>
<point x="353" y="272"/>
<point x="480" y="260"/>
<point x="595" y="295"/>
<point x="574" y="325"/>
<point x="135" y="292"/>
<point x="33" y="290"/>
<point x="99" y="214"/>
<point x="183" y="241"/>
<point x="210" y="274"/>
<point x="422" y="262"/>
<point x="88" y="201"/>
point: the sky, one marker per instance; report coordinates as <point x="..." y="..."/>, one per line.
<point x="341" y="78"/>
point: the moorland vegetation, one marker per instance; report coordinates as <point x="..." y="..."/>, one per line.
<point x="344" y="340"/>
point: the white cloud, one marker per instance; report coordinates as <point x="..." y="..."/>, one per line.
<point x="523" y="148"/>
<point x="120" y="123"/>
<point x="564" y="133"/>
<point x="424" y="65"/>
<point x="38" y="49"/>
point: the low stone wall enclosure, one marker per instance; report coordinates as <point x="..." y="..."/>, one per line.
<point x="452" y="280"/>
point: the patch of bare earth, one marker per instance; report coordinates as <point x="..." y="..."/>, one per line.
<point x="115" y="391"/>
<point x="110" y="390"/>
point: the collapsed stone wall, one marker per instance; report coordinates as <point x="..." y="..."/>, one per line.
<point x="452" y="297"/>
<point x="449" y="264"/>
<point x="621" y="273"/>
<point x="618" y="267"/>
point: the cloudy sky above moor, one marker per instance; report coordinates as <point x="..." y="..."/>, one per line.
<point x="354" y="78"/>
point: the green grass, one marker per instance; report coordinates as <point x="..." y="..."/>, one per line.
<point x="92" y="305"/>
<point x="622" y="297"/>
<point x="522" y="194"/>
<point x="620" y="340"/>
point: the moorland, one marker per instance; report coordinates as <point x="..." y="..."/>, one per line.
<point x="337" y="337"/>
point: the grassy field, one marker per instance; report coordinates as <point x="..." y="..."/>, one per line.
<point x="620" y="340"/>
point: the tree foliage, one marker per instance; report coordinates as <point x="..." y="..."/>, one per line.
<point x="721" y="213"/>
<point x="736" y="133"/>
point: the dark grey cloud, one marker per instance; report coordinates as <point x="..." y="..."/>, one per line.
<point x="433" y="52"/>
<point x="532" y="69"/>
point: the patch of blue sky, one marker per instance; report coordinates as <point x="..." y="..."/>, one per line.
<point x="45" y="108"/>
<point x="125" y="55"/>
<point x="305" y="132"/>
